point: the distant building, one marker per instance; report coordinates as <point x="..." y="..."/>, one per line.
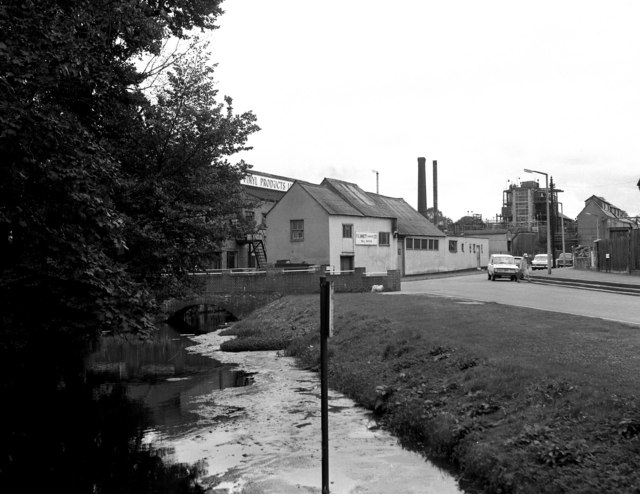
<point x="599" y="218"/>
<point x="526" y="204"/>
<point x="262" y="191"/>
<point x="524" y="216"/>
<point x="339" y="225"/>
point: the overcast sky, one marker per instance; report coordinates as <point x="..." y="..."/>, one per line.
<point x="486" y="88"/>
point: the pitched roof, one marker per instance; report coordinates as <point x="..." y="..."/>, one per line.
<point x="410" y="222"/>
<point x="331" y="202"/>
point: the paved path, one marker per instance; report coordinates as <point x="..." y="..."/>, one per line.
<point x="590" y="276"/>
<point x="535" y="295"/>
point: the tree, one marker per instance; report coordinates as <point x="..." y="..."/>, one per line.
<point x="182" y="197"/>
<point x="78" y="139"/>
<point x="443" y="222"/>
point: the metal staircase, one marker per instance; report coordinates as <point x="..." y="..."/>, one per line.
<point x="256" y="246"/>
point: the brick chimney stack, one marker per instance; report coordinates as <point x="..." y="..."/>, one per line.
<point x="422" y="187"/>
<point x="435" y="192"/>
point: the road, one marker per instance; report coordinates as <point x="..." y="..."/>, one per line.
<point x="611" y="306"/>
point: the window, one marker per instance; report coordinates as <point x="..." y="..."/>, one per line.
<point x="462" y="246"/>
<point x="434" y="244"/>
<point x="383" y="238"/>
<point x="453" y="246"/>
<point x="347" y="231"/>
<point x="409" y="244"/>
<point x="297" y="230"/>
<point x="231" y="259"/>
<point x="249" y="216"/>
<point x="216" y="262"/>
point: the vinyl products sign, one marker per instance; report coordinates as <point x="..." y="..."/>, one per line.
<point x="267" y="182"/>
<point x="366" y="238"/>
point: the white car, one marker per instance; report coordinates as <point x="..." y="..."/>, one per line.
<point x="540" y="261"/>
<point x="502" y="266"/>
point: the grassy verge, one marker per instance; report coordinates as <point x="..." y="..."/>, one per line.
<point x="517" y="400"/>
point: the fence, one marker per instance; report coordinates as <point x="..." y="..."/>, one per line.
<point x="620" y="253"/>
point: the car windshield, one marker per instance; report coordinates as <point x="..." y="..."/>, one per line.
<point x="540" y="257"/>
<point x="503" y="260"/>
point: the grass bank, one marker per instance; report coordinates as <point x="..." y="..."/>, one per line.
<point x="517" y="400"/>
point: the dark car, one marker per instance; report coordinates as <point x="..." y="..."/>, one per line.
<point x="565" y="259"/>
<point x="540" y="261"/>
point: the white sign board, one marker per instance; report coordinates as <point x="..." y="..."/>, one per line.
<point x="366" y="238"/>
<point x="266" y="182"/>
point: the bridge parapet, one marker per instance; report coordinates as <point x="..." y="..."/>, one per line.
<point x="244" y="291"/>
<point x="299" y="281"/>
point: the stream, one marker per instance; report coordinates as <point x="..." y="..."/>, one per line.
<point x="265" y="437"/>
<point x="250" y="421"/>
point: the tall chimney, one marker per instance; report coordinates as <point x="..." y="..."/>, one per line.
<point x="435" y="192"/>
<point x="422" y="187"/>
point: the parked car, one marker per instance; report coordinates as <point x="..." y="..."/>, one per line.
<point x="540" y="261"/>
<point x="502" y="266"/>
<point x="564" y="259"/>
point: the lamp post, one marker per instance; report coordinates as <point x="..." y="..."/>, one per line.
<point x="564" y="260"/>
<point x="549" y="254"/>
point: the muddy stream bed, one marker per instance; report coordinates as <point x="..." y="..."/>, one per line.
<point x="265" y="437"/>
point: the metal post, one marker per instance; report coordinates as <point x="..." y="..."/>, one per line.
<point x="562" y="227"/>
<point x="325" y="330"/>
<point x="549" y="253"/>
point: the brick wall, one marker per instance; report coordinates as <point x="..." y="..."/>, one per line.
<point x="290" y="282"/>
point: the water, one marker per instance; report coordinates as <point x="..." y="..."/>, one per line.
<point x="266" y="439"/>
<point x="163" y="375"/>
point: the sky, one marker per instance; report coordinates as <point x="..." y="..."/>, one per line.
<point x="347" y="88"/>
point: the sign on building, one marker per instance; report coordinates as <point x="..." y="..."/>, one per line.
<point x="266" y="182"/>
<point x="366" y="238"/>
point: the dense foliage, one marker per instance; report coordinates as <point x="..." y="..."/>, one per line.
<point x="104" y="189"/>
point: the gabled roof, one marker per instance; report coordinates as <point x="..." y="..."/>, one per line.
<point x="600" y="201"/>
<point x="331" y="202"/>
<point x="410" y="222"/>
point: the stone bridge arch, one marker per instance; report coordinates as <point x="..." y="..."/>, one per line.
<point x="238" y="304"/>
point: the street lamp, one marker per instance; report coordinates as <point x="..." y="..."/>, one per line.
<point x="549" y="254"/>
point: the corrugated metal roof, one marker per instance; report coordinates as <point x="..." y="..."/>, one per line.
<point x="357" y="197"/>
<point x="269" y="195"/>
<point x="329" y="200"/>
<point x="410" y="222"/>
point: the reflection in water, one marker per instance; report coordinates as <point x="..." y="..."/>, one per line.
<point x="87" y="434"/>
<point x="82" y="438"/>
<point x="206" y="318"/>
<point x="163" y="375"/>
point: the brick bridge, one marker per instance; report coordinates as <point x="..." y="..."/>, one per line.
<point x="241" y="292"/>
